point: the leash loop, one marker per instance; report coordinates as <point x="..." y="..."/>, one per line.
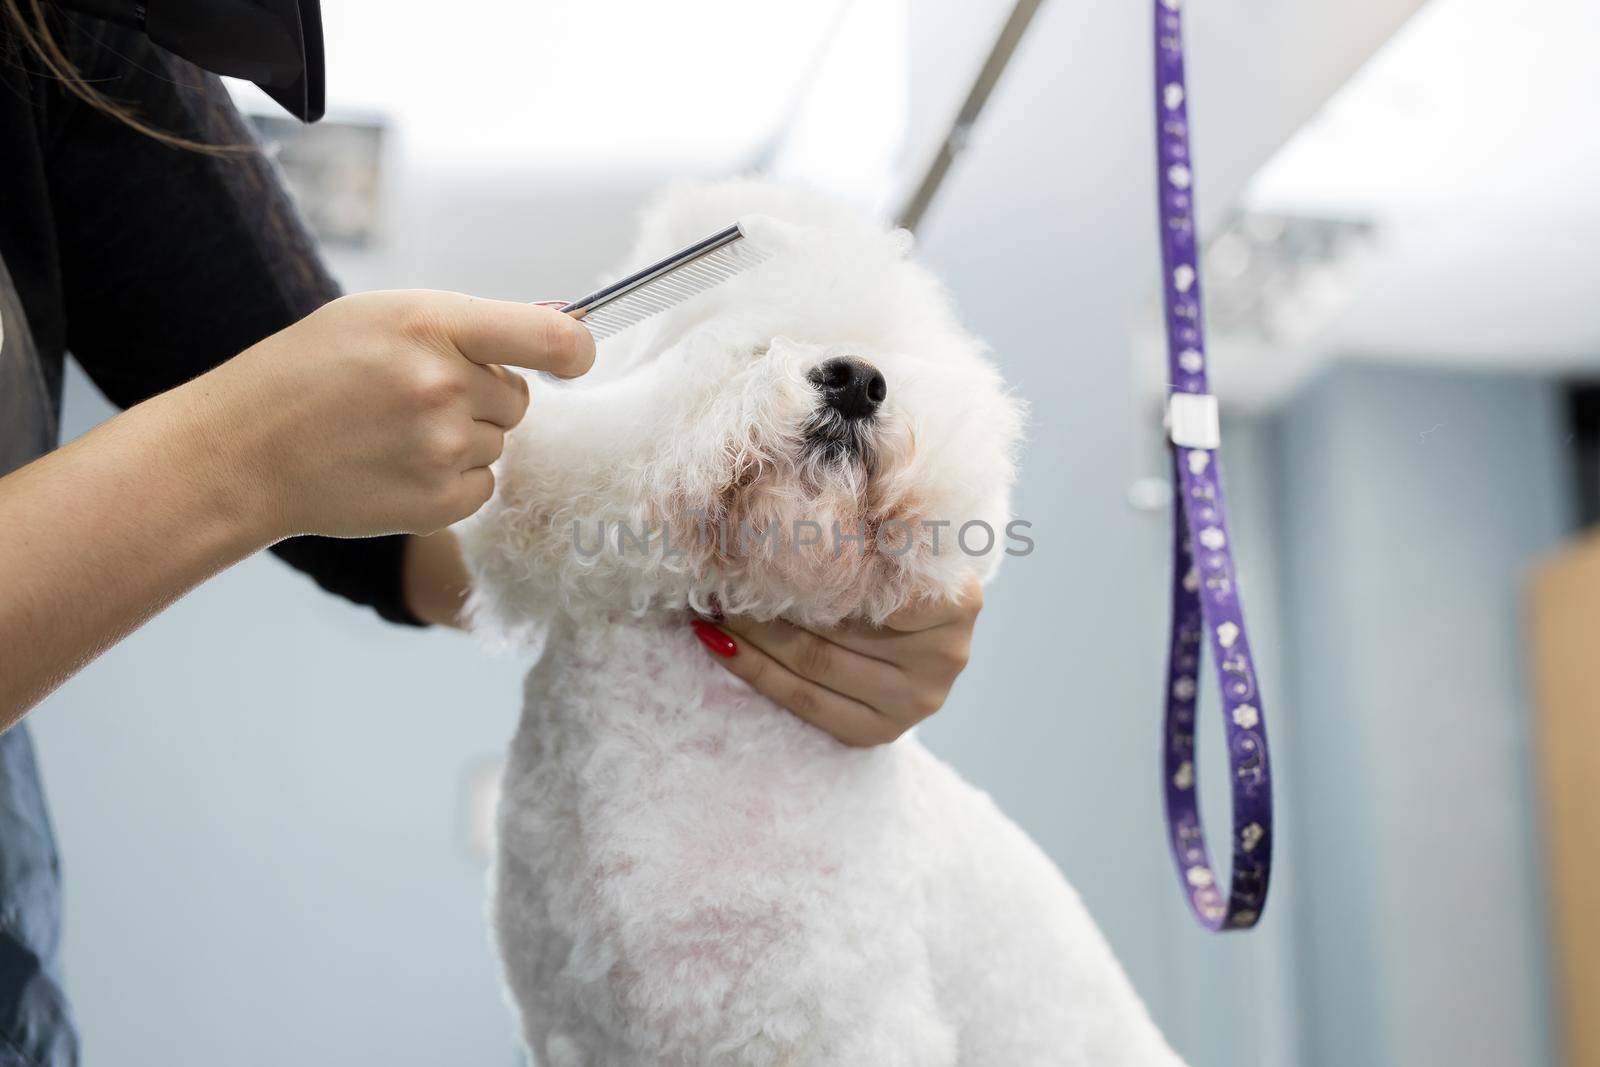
<point x="1205" y="588"/>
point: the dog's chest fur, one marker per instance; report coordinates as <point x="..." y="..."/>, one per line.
<point x="686" y="874"/>
<point x="663" y="829"/>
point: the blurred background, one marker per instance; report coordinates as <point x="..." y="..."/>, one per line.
<point x="268" y="801"/>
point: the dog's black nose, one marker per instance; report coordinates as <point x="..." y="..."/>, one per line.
<point x="852" y="387"/>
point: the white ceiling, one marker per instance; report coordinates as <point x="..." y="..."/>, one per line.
<point x="1472" y="140"/>
<point x="605" y="84"/>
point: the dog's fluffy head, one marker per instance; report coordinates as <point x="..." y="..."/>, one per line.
<point x="815" y="439"/>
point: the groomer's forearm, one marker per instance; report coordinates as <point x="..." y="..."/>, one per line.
<point x="436" y="579"/>
<point x="103" y="533"/>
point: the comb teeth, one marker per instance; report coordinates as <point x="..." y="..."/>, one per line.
<point x="666" y="284"/>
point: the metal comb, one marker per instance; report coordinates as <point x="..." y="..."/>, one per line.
<point x="666" y="284"/>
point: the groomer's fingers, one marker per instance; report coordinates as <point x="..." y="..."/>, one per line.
<point x="473" y="490"/>
<point x="927" y="614"/>
<point x="518" y="335"/>
<point x="850" y="721"/>
<point x="814" y="657"/>
<point x="497" y="395"/>
<point x="485" y="442"/>
<point x="941" y="627"/>
<point x="923" y="656"/>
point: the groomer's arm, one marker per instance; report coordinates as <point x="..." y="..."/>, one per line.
<point x="434" y="579"/>
<point x="378" y="413"/>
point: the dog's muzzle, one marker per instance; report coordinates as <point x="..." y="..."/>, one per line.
<point x="852" y="391"/>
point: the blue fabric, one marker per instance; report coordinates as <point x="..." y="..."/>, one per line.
<point x="35" y="1022"/>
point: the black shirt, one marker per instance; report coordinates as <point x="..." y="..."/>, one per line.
<point x="150" y="264"/>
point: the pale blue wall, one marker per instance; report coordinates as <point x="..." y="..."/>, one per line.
<point x="1411" y="504"/>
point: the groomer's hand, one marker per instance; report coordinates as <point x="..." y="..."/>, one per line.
<point x="865" y="685"/>
<point x="381" y="412"/>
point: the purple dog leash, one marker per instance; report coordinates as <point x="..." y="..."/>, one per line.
<point x="1205" y="592"/>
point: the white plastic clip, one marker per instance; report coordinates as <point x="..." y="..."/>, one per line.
<point x="1192" y="421"/>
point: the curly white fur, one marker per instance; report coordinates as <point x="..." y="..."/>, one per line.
<point x="686" y="874"/>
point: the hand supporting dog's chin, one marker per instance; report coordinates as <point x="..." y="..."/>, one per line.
<point x="865" y="685"/>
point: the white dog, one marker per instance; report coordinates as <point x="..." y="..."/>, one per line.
<point x="686" y="874"/>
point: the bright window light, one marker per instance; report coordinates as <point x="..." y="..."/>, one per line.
<point x="849" y="129"/>
<point x="612" y="84"/>
<point x="1474" y="104"/>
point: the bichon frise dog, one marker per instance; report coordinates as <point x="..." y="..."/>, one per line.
<point x="686" y="874"/>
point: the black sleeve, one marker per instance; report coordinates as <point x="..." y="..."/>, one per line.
<point x="174" y="260"/>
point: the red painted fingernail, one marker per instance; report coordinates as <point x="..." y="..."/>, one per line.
<point x="714" y="639"/>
